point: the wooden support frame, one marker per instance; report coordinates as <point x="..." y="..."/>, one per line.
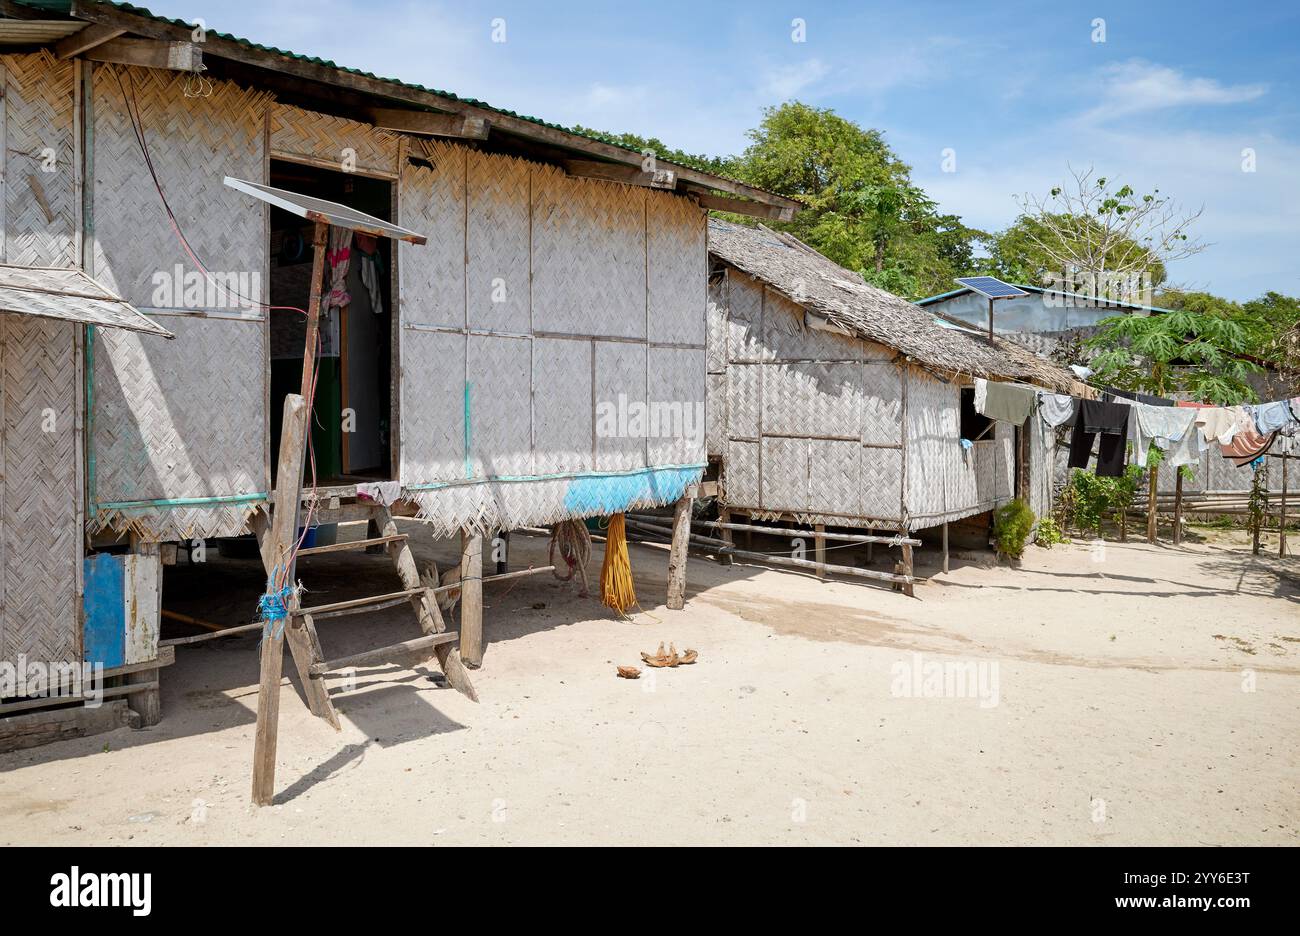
<point x="677" y="553"/>
<point x="148" y="53"/>
<point x="621" y="172"/>
<point x="819" y="546"/>
<point x="79" y="42"/>
<point x="471" y="598"/>
<point x="754" y="209"/>
<point x="427" y="123"/>
<point x="1281" y="526"/>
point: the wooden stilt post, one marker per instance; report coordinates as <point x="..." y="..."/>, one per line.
<point x="503" y="562"/>
<point x="724" y="514"/>
<point x="471" y="598"/>
<point x="945" y="548"/>
<point x="819" y="548"/>
<point x="147" y="703"/>
<point x="1281" y="524"/>
<point x="281" y="538"/>
<point x="284" y="533"/>
<point x="677" y="553"/>
<point x="1152" y="499"/>
<point x="1178" y="506"/>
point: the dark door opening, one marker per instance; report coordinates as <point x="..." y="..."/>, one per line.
<point x="352" y="417"/>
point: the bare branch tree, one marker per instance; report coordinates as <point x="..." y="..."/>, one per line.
<point x="1089" y="229"/>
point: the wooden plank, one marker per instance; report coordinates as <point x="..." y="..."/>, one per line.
<point x="471" y="598"/>
<point x="284" y="527"/>
<point x="724" y="517"/>
<point x="385" y="654"/>
<point x="304" y="644"/>
<point x="777" y="559"/>
<point x="677" y="553"/>
<point x="755" y="209"/>
<point x="1281" y="527"/>
<point x="112" y="692"/>
<point x="36" y="728"/>
<point x="426" y="123"/>
<point x="351" y="545"/>
<point x="1178" y="505"/>
<point x="213" y="635"/>
<point x="149" y="53"/>
<point x="315" y="71"/>
<point x="88" y="38"/>
<point x="844" y="537"/>
<point x="359" y="605"/>
<point x="621" y="172"/>
<point x="819" y="546"/>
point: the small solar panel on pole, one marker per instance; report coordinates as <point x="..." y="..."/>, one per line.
<point x="991" y="288"/>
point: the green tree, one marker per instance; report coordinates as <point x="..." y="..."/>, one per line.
<point x="1274" y="324"/>
<point x="864" y="211"/>
<point x="1018" y="254"/>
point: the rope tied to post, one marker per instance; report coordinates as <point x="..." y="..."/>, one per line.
<point x="273" y="609"/>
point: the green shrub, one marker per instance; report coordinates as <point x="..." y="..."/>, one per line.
<point x="1049" y="533"/>
<point x="1012" y="523"/>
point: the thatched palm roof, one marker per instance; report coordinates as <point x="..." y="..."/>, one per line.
<point x="845" y="300"/>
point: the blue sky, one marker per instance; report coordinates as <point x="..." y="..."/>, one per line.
<point x="1019" y="90"/>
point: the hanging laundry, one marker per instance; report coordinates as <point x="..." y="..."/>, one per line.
<point x="1005" y="402"/>
<point x="370" y="269"/>
<point x="1219" y="423"/>
<point x="1247" y="443"/>
<point x="338" y="255"/>
<point x="1110" y="420"/>
<point x="1171" y="428"/>
<point x="1057" y="409"/>
<point x="1146" y="398"/>
<point x="1270" y="417"/>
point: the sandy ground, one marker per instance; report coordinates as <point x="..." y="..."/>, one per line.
<point x="1122" y="715"/>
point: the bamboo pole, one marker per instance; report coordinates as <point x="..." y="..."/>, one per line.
<point x="677" y="553"/>
<point x="471" y="598"/>
<point x="1153" y="481"/>
<point x="1178" y="506"/>
<point x="1281" y="529"/>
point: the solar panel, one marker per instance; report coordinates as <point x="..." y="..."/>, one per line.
<point x="318" y="209"/>
<point x="990" y="287"/>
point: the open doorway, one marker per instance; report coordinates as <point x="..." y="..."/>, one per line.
<point x="352" y="417"/>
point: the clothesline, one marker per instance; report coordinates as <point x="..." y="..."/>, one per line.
<point x="1183" y="430"/>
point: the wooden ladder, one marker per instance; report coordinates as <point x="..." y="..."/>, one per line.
<point x="304" y="644"/>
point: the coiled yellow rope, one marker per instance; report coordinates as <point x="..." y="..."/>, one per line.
<point x="616" y="587"/>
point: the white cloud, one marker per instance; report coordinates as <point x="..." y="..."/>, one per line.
<point x="783" y="82"/>
<point x="1142" y="87"/>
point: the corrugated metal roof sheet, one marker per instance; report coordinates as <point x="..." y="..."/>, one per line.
<point x="70" y="296"/>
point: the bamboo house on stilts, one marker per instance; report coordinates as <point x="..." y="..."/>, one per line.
<point x="834" y="403"/>
<point x="557" y="273"/>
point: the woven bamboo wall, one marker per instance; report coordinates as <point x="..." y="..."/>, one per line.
<point x="830" y="428"/>
<point x="40" y="368"/>
<point x="537" y="298"/>
<point x="183" y="419"/>
<point x="331" y="142"/>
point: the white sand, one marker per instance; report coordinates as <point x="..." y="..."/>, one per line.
<point x="1118" y="680"/>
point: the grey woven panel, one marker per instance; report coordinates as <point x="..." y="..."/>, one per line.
<point x="881" y="477"/>
<point x="740" y="474"/>
<point x="562" y="409"/>
<point x="432" y="201"/>
<point x="927" y="437"/>
<point x="194" y="144"/>
<point x="497" y="232"/>
<point x="183" y="418"/>
<point x="433" y="406"/>
<point x="834" y="470"/>
<point x="676" y="384"/>
<point x="41" y="213"/>
<point x="716" y="413"/>
<point x="788" y="337"/>
<point x="716" y="322"/>
<point x="499" y="378"/>
<point x="882" y="404"/>
<point x="785" y="474"/>
<point x="1041" y="440"/>
<point x="1006" y="461"/>
<point x="308" y="136"/>
<point x="620" y="373"/>
<point x="1223" y="475"/>
<point x="68" y="295"/>
<point x="40" y="491"/>
<point x="677" y="263"/>
<point x="812" y="399"/>
<point x="744" y="400"/>
<point x="589" y="253"/>
<point x="745" y="319"/>
<point x="985" y="462"/>
<point x="877" y="352"/>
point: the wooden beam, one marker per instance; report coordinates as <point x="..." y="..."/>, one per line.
<point x="149" y="53"/>
<point x="429" y="124"/>
<point x="621" y="172"/>
<point x="20" y="11"/>
<point x="754" y="209"/>
<point x="93" y="35"/>
<point x="471" y="598"/>
<point x="677" y="553"/>
<point x="378" y="87"/>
